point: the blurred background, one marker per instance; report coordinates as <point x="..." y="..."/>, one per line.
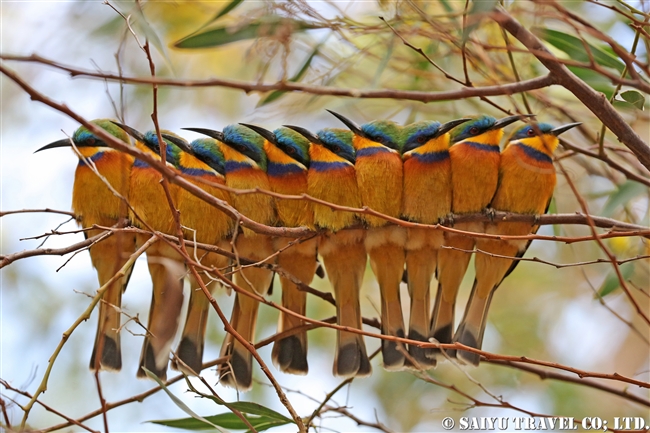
<point x="541" y="311"/>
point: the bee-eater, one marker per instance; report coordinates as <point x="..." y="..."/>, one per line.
<point x="427" y="200"/>
<point x="288" y="161"/>
<point x="526" y="183"/>
<point x="166" y="265"/>
<point x="246" y="163"/>
<point x="474" y="158"/>
<point x="94" y="203"/>
<point x="206" y="224"/>
<point x="331" y="177"/>
<point x="379" y="174"/>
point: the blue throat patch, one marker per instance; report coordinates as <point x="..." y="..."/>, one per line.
<point x="322" y="166"/>
<point x="96" y="157"/>
<point x="535" y="154"/>
<point x="369" y="151"/>
<point x="431" y="157"/>
<point x="275" y="169"/>
<point x="483" y="147"/>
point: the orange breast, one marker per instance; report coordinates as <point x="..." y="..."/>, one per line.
<point x="427" y="190"/>
<point x="380" y="182"/>
<point x="474" y="177"/>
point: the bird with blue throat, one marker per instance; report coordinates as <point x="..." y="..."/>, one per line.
<point x="151" y="210"/>
<point x="100" y="190"/>
<point x="427" y="200"/>
<point x="378" y="169"/>
<point x="288" y="161"/>
<point x="201" y="160"/>
<point x="526" y="183"/>
<point x="246" y="164"/>
<point x="331" y="178"/>
<point x="474" y="157"/>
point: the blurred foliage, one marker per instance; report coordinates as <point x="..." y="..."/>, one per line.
<point x="348" y="46"/>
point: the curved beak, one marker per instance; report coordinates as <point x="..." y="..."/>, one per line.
<point x="561" y="129"/>
<point x="313" y="138"/>
<point x="268" y="135"/>
<point x="349" y="123"/>
<point x="182" y="144"/>
<point x="209" y="132"/>
<point x="446" y="127"/>
<point x="502" y="123"/>
<point x="132" y="132"/>
<point x="59" y="143"/>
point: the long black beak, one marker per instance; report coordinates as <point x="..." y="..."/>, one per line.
<point x="209" y="132"/>
<point x="132" y="132"/>
<point x="60" y="143"/>
<point x="502" y="123"/>
<point x="182" y="144"/>
<point x="564" y="128"/>
<point x="446" y="127"/>
<point x="268" y="135"/>
<point x="349" y="123"/>
<point x="313" y="138"/>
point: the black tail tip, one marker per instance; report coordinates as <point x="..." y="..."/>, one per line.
<point x="238" y="372"/>
<point x="111" y="358"/>
<point x="190" y="354"/>
<point x="290" y="356"/>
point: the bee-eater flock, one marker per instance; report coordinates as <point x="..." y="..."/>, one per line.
<point x="425" y="172"/>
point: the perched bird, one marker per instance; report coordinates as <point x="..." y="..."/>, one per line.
<point x="474" y="158"/>
<point x="202" y="222"/>
<point x="427" y="200"/>
<point x="331" y="177"/>
<point x="379" y="174"/>
<point x="151" y="209"/>
<point x="288" y="160"/>
<point x="526" y="183"/>
<point x="95" y="203"/>
<point x="246" y="163"/>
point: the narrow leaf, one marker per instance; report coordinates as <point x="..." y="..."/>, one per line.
<point x="178" y="401"/>
<point x="229" y="7"/>
<point x="574" y="47"/>
<point x="479" y="8"/>
<point x="276" y="94"/>
<point x="635" y="98"/>
<point x="226" y="420"/>
<point x="623" y="195"/>
<point x="225" y="35"/>
<point x="612" y="282"/>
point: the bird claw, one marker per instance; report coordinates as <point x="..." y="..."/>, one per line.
<point x="490" y="213"/>
<point x="447" y="220"/>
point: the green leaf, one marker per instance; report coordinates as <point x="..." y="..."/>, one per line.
<point x="623" y="195"/>
<point x="226" y="35"/>
<point x="225" y="420"/>
<point x="179" y="403"/>
<point x="595" y="80"/>
<point x="635" y="98"/>
<point x="574" y="47"/>
<point x="479" y="8"/>
<point x="276" y="94"/>
<point x="612" y="282"/>
<point x="229" y="7"/>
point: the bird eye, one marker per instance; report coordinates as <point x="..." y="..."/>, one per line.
<point x="90" y="141"/>
<point x="336" y="149"/>
<point x="473" y="130"/>
<point x="291" y="150"/>
<point x="422" y="139"/>
<point x="530" y="132"/>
